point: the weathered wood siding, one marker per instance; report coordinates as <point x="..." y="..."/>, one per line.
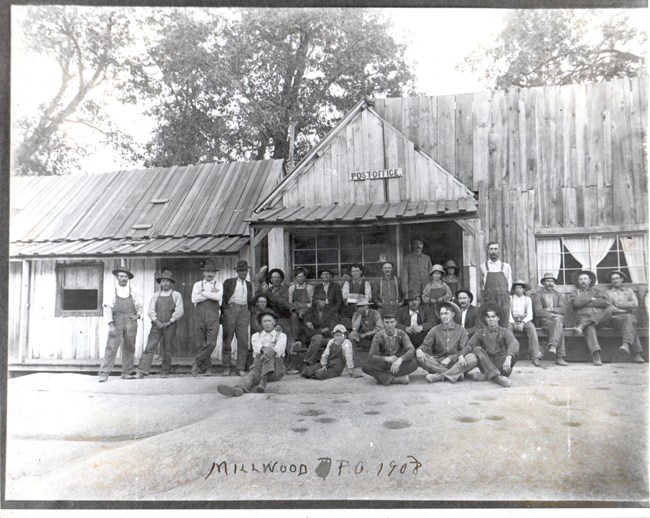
<point x="547" y="157"/>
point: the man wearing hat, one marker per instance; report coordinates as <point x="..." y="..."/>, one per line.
<point x="122" y="309"/>
<point x="451" y="278"/>
<point x="354" y="288"/>
<point x="165" y="309"/>
<point x="269" y="346"/>
<point x="624" y="305"/>
<point x="591" y="309"/>
<point x="386" y="291"/>
<point x="415" y="269"/>
<point x="495" y="347"/>
<point x="338" y="356"/>
<point x="496" y="279"/>
<point x="521" y="319"/>
<point x="549" y="309"/>
<point x="331" y="290"/>
<point x="206" y="297"/>
<point x="468" y="314"/>
<point x="415" y="319"/>
<point x="436" y="290"/>
<point x="445" y="346"/>
<point x="392" y="355"/>
<point x="236" y="306"/>
<point x="366" y="323"/>
<point x="319" y="321"/>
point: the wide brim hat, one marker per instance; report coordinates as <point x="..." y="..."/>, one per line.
<point x="469" y="294"/>
<point x="450" y="264"/>
<point x="300" y="269"/>
<point x="242" y="264"/>
<point x="491" y="306"/>
<point x="209" y="265"/>
<point x="547" y="275"/>
<point x="437" y="268"/>
<point x="363" y="301"/>
<point x="609" y="275"/>
<point x="328" y="270"/>
<point x="421" y="239"/>
<point x="339" y="328"/>
<point x="166" y="275"/>
<point x="447" y="304"/>
<point x="271" y="272"/>
<point x="266" y="312"/>
<point x="124" y="270"/>
<point x="574" y="277"/>
<point x="519" y="282"/>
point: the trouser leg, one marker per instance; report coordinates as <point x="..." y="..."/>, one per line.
<point x="457" y="371"/>
<point x="113" y="343"/>
<point x="591" y="338"/>
<point x="206" y="335"/>
<point x="485" y="363"/>
<point x="167" y="347"/>
<point x="431" y="364"/>
<point x="626" y="324"/>
<point x="378" y="369"/>
<point x="229" y="325"/>
<point x="533" y="341"/>
<point x="153" y="340"/>
<point x="128" y="345"/>
<point x="241" y="332"/>
<point x="316" y="347"/>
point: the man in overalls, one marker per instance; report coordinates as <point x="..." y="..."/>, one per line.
<point x="206" y="297"/>
<point x="123" y="310"/>
<point x="300" y="296"/>
<point x="496" y="279"/>
<point x="354" y="288"/>
<point x="165" y="308"/>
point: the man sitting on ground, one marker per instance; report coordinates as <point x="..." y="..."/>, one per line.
<point x="337" y="357"/>
<point x="319" y="322"/>
<point x="392" y="355"/>
<point x="366" y="323"/>
<point x="468" y="314"/>
<point x="521" y="319"/>
<point x="416" y="319"/>
<point x="268" y="350"/>
<point x="624" y="306"/>
<point x="549" y="309"/>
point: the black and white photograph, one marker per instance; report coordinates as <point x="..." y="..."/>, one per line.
<point x="298" y="257"/>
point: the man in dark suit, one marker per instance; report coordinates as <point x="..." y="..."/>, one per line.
<point x="237" y="301"/>
<point x="468" y="316"/>
<point x="330" y="290"/>
<point x="415" y="319"/>
<point x="319" y="321"/>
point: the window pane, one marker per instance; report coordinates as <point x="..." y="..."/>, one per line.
<point x="350" y="239"/>
<point x="328" y="256"/>
<point x="301" y="242"/>
<point x="311" y="271"/>
<point x="79" y="300"/>
<point x="302" y="257"/>
<point x="372" y="270"/>
<point x="375" y="237"/>
<point x="371" y="253"/>
<point x="328" y="241"/>
<point x="351" y="255"/>
<point x="333" y="267"/>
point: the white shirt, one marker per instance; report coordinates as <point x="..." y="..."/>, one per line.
<point x="122" y="292"/>
<point x="240" y="295"/>
<point x="521" y="307"/>
<point x="496" y="267"/>
<point x="463" y="314"/>
<point x="414" y="318"/>
<point x="273" y="339"/>
<point x="211" y="287"/>
<point x="346" y="347"/>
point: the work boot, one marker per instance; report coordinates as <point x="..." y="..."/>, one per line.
<point x="126" y="376"/>
<point x="597" y="361"/>
<point x="552" y="350"/>
<point x="432" y="378"/>
<point x="476" y="376"/>
<point x="400" y="380"/>
<point x="536" y="362"/>
<point x="579" y="330"/>
<point x="292" y="372"/>
<point x="229" y="391"/>
<point x="195" y="369"/>
<point x="208" y="373"/>
<point x="638" y="358"/>
<point x="624" y="348"/>
<point x="561" y="361"/>
<point x="261" y="388"/>
<point x="502" y="380"/>
<point x="226" y="371"/>
<point x="103" y="378"/>
<point x="139" y="376"/>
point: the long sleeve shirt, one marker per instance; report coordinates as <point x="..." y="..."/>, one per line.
<point x="623" y="299"/>
<point x="496" y="341"/>
<point x="122" y="292"/>
<point x="292" y="294"/>
<point x="433" y="292"/>
<point x="274" y="339"/>
<point x="210" y="287"/>
<point x="178" y="310"/>
<point x="521" y="309"/>
<point x="548" y="302"/>
<point x="584" y="306"/>
<point x="495" y="266"/>
<point x="367" y="291"/>
<point x="386" y="291"/>
<point x="399" y="344"/>
<point x="346" y="347"/>
<point x="415" y="273"/>
<point x="446" y="340"/>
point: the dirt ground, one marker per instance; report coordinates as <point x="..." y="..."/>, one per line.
<point x="559" y="434"/>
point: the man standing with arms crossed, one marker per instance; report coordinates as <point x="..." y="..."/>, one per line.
<point x="206" y="297"/>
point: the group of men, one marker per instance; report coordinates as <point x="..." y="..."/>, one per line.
<point x="404" y="322"/>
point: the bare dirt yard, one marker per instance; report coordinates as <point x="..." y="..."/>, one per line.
<point x="559" y="434"/>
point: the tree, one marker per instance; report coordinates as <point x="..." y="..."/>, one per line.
<point x="557" y="47"/>
<point x="87" y="46"/>
<point x="237" y="86"/>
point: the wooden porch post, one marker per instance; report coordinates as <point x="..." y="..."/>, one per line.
<point x="24" y="311"/>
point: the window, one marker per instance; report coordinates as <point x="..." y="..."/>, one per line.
<point x="601" y="254"/>
<point x="338" y="251"/>
<point x="79" y="289"/>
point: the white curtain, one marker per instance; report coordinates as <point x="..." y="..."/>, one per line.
<point x="635" y="248"/>
<point x="600" y="246"/>
<point x="579" y="248"/>
<point x="549" y="256"/>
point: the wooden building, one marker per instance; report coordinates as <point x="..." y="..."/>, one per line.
<point x="68" y="234"/>
<point x="557" y="175"/>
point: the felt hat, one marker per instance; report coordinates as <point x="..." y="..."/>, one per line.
<point x="166" y="275"/>
<point x="437" y="268"/>
<point x="574" y="277"/>
<point x="519" y="282"/>
<point x="266" y="312"/>
<point x="328" y="270"/>
<point x="300" y="269"/>
<point x="418" y="239"/>
<point x="275" y="270"/>
<point x="123" y="270"/>
<point x="469" y="294"/>
<point x="547" y="275"/>
<point x="451" y="264"/>
<point x="210" y="265"/>
<point x="363" y="301"/>
<point x="339" y="328"/>
<point x="491" y="306"/>
<point x="447" y="304"/>
<point x="609" y="275"/>
<point x="389" y="313"/>
<point x="242" y="264"/>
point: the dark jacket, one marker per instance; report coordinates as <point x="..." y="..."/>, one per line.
<point x="329" y="319"/>
<point x="426" y="318"/>
<point x="334" y="295"/>
<point x="472" y="322"/>
<point x="229" y="289"/>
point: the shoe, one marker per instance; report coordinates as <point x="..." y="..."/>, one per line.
<point x="597" y="361"/>
<point x="126" y="376"/>
<point x="503" y="381"/>
<point x="261" y="388"/>
<point x="624" y="348"/>
<point x="296" y="347"/>
<point x="226" y="371"/>
<point x="578" y="330"/>
<point x="241" y="373"/>
<point x="103" y="378"/>
<point x="208" y="373"/>
<point x="432" y="378"/>
<point x="476" y="376"/>
<point x="561" y="361"/>
<point x="195" y="370"/>
<point x="552" y="350"/>
<point x="139" y="376"/>
<point x="293" y="371"/>
<point x="227" y="390"/>
<point x="164" y="374"/>
<point x="638" y="358"/>
<point x="400" y="380"/>
<point x="536" y="362"/>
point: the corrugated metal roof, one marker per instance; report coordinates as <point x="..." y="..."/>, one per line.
<point x="367" y="213"/>
<point x="75" y="214"/>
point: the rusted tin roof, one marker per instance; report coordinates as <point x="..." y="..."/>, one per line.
<point x="189" y="209"/>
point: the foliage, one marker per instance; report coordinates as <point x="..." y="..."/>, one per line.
<point x="557" y="47"/>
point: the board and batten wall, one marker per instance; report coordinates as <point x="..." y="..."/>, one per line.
<point x="560" y="157"/>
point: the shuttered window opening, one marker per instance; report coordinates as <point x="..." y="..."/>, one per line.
<point x="79" y="289"/>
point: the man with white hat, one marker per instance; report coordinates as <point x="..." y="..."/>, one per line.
<point x="521" y="319"/>
<point x="366" y="323"/>
<point x="549" y="309"/>
<point x="206" y="297"/>
<point x="165" y="309"/>
<point x="122" y="309"/>
<point x="624" y="306"/>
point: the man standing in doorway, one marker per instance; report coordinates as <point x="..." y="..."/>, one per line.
<point x="206" y="297"/>
<point x="415" y="270"/>
<point x="496" y="279"/>
<point x="165" y="308"/>
<point x="122" y="309"/>
<point x="237" y="301"/>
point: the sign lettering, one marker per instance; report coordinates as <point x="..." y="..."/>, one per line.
<point x="378" y="174"/>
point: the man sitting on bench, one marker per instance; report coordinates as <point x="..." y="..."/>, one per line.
<point x="624" y="306"/>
